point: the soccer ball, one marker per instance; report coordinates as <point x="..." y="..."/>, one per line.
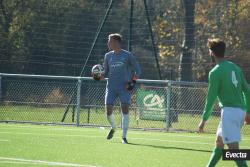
<point x="97" y="72"/>
<point x="97" y="69"/>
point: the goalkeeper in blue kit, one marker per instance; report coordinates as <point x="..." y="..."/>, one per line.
<point x="122" y="71"/>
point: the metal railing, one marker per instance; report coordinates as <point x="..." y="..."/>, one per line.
<point x="165" y="105"/>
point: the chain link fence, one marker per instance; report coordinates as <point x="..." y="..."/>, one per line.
<point x="163" y="105"/>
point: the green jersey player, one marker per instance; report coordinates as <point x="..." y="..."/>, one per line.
<point x="228" y="84"/>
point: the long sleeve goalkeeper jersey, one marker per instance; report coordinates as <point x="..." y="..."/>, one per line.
<point x="120" y="68"/>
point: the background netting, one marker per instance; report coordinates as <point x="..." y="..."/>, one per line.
<point x="43" y="100"/>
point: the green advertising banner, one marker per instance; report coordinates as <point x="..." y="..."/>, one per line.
<point x="152" y="104"/>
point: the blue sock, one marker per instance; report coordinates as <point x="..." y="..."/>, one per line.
<point x="125" y="122"/>
<point x="111" y="120"/>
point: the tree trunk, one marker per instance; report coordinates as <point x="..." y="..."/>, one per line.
<point x="188" y="43"/>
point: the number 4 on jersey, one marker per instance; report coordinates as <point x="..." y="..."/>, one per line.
<point x="234" y="79"/>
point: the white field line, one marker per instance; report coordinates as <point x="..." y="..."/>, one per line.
<point x="26" y="163"/>
<point x="4" y="140"/>
<point x="46" y="128"/>
<point x="186" y="136"/>
<point x="144" y="139"/>
<point x="39" y="162"/>
<point x="132" y="132"/>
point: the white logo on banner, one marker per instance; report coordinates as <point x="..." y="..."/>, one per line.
<point x="153" y="102"/>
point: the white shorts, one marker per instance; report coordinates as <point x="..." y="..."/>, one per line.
<point x="232" y="120"/>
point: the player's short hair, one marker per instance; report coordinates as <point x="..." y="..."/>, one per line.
<point x="116" y="36"/>
<point x="217" y="46"/>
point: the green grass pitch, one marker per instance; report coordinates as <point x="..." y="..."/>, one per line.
<point x="23" y="145"/>
<point x="187" y="122"/>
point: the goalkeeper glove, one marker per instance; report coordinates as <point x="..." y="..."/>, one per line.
<point x="130" y="85"/>
<point x="97" y="77"/>
<point x="247" y="119"/>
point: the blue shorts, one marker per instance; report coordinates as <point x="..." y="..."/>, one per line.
<point x="112" y="94"/>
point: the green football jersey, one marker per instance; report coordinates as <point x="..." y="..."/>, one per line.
<point x="228" y="84"/>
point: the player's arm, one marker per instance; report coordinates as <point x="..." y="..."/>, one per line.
<point x="246" y="93"/>
<point x="105" y="65"/>
<point x="135" y="66"/>
<point x="136" y="71"/>
<point x="213" y="88"/>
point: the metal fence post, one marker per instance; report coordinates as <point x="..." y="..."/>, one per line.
<point x="168" y="110"/>
<point x="78" y="100"/>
